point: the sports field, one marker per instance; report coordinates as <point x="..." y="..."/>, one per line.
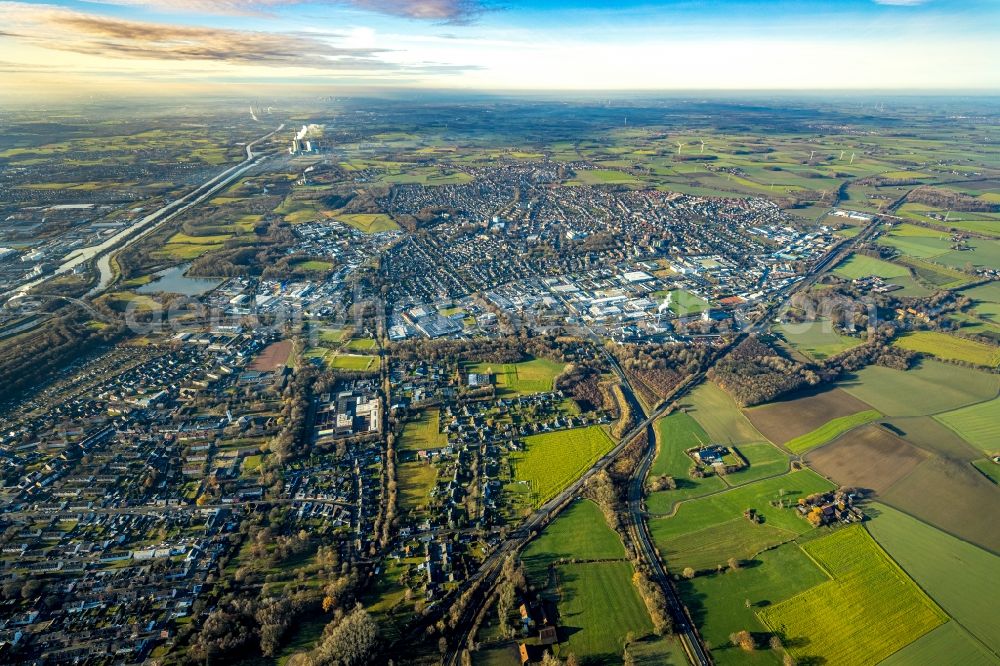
<point x="930" y="388"/>
<point x="423" y="433"/>
<point x="314" y="265"/>
<point x="524" y="378"/>
<point x="360" y="344"/>
<point x="332" y="335"/>
<point x="273" y="357"/>
<point x="551" y="461"/>
<point x="684" y="303"/>
<point x="830" y="431"/>
<point x="950" y="348"/>
<point x="719" y="416"/>
<point x="960" y="577"/>
<point x="979" y="424"/>
<point x="351" y="362"/>
<point x="868" y="610"/>
<point x="816" y="339"/>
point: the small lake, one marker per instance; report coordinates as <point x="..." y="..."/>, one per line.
<point x="173" y="281"/>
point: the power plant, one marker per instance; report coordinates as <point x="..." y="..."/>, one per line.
<point x="306" y="141"/>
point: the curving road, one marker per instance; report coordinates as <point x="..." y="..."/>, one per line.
<point x="104" y="252"/>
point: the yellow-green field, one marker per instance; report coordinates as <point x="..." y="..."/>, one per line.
<point x="830" y="430"/>
<point x="978" y="424"/>
<point x="370" y="224"/>
<point x="951" y="348"/>
<point x="423" y="433"/>
<point x="868" y="610"/>
<point x="551" y="461"/>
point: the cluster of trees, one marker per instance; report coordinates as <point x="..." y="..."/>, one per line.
<point x="662" y="482"/>
<point x="655" y="600"/>
<point x="839" y="310"/>
<point x="626" y="417"/>
<point x="292" y="440"/>
<point x="882" y="181"/>
<point x="583" y="384"/>
<point x="602" y="489"/>
<point x="350" y="639"/>
<point x="754" y="373"/>
<point x="656" y="370"/>
<point x="878" y="351"/>
<point x="492" y="351"/>
<point x="951" y="200"/>
<point x="265" y="254"/>
<point x="512" y="349"/>
<point x="605" y="489"/>
<point x="388" y="515"/>
<point x="512" y="581"/>
<point x="425" y="217"/>
<point x="258" y="607"/>
<point x="242" y="625"/>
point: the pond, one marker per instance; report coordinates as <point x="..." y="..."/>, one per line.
<point x="173" y="281"/>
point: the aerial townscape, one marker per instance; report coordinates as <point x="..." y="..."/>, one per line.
<point x="406" y="376"/>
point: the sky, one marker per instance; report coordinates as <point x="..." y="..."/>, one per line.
<point x="66" y="47"/>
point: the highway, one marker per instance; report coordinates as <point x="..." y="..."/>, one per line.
<point x="105" y="251"/>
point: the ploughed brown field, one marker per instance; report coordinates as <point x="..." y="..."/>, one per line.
<point x="783" y="420"/>
<point x="870" y="457"/>
<point x="942" y="490"/>
<point x="273" y="357"/>
<point x="929" y="434"/>
<point x="952" y="496"/>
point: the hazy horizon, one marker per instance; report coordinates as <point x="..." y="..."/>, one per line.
<point x="154" y="47"/>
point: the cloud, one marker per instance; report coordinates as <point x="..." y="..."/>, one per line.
<point x="447" y="11"/>
<point x="111" y="38"/>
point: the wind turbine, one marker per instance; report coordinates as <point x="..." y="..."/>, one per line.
<point x="811" y="153"/>
<point x="841" y="154"/>
<point x="852" y="158"/>
<point x="702" y="146"/>
<point x="679" y="146"/>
